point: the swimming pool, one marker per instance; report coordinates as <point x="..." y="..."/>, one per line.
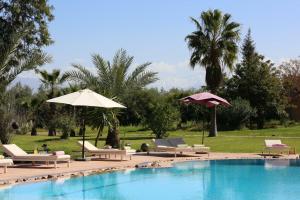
<point x="209" y="180"/>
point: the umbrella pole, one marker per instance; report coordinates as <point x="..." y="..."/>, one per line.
<point x="203" y="131"/>
<point x="83" y="140"/>
<point x="83" y="134"/>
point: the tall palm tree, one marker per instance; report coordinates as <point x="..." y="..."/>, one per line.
<point x="51" y="81"/>
<point x="214" y="47"/>
<point x="114" y="80"/>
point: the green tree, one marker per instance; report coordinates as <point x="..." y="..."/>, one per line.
<point x="290" y="77"/>
<point x="188" y="112"/>
<point x="113" y="80"/>
<point x="236" y="116"/>
<point x="28" y="19"/>
<point x="19" y="98"/>
<point x="256" y="80"/>
<point x="162" y="116"/>
<point x="51" y="82"/>
<point x="214" y="47"/>
<point x="23" y="33"/>
<point x="15" y="112"/>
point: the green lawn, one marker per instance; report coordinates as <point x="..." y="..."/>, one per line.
<point x="227" y="141"/>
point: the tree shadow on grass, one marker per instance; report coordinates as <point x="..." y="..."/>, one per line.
<point x="49" y="140"/>
<point x="138" y="130"/>
<point x="137" y="138"/>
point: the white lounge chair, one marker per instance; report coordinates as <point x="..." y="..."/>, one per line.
<point x="276" y="146"/>
<point x="91" y="149"/>
<point x="5" y="163"/>
<point x="177" y="145"/>
<point x="17" y="154"/>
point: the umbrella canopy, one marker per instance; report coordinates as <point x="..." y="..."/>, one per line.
<point x="86" y="97"/>
<point x="207" y="99"/>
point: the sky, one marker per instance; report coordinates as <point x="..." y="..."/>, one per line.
<point x="154" y="31"/>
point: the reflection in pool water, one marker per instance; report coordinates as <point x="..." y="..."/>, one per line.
<point x="209" y="180"/>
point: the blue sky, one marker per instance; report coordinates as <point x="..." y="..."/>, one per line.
<point x="155" y="30"/>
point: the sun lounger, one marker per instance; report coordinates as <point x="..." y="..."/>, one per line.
<point x="5" y="163"/>
<point x="177" y="145"/>
<point x="276" y="146"/>
<point x="107" y="153"/>
<point x="17" y="154"/>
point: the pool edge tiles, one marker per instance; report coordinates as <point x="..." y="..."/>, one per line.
<point x="22" y="175"/>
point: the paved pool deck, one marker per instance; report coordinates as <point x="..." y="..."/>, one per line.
<point x="27" y="173"/>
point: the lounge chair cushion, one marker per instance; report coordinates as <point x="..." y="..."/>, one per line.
<point x="13" y="150"/>
<point x="62" y="157"/>
<point x="160" y="146"/>
<point x="92" y="149"/>
<point x="279" y="145"/>
<point x="162" y="143"/>
<point x="176" y="141"/>
<point x="198" y="145"/>
<point x="6" y="162"/>
<point x="58" y="153"/>
<point x="182" y="145"/>
<point x="274" y="143"/>
<point x="88" y="146"/>
<point x="42" y="157"/>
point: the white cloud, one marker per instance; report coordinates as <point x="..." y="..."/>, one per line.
<point x="171" y="75"/>
<point x="177" y="75"/>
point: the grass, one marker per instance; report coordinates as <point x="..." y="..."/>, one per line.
<point x="228" y="141"/>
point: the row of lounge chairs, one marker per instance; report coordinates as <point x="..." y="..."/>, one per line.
<point x="173" y="145"/>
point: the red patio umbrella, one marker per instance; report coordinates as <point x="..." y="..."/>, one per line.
<point x="208" y="99"/>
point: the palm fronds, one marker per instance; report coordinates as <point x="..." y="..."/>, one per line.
<point x="213" y="45"/>
<point x="113" y="79"/>
<point x="11" y="65"/>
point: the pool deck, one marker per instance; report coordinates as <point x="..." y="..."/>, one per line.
<point x="27" y="173"/>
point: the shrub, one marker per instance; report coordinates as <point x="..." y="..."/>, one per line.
<point x="236" y="116"/>
<point x="67" y="125"/>
<point x="162" y="117"/>
<point x="24" y="128"/>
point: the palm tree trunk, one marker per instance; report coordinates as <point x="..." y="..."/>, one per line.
<point x="100" y="130"/>
<point x="51" y="132"/>
<point x="260" y="119"/>
<point x="213" y="122"/>
<point x="33" y="131"/>
<point x="113" y="138"/>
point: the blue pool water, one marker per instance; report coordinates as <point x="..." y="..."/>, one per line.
<point x="209" y="180"/>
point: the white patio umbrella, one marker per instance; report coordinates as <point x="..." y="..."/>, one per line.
<point x="85" y="98"/>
